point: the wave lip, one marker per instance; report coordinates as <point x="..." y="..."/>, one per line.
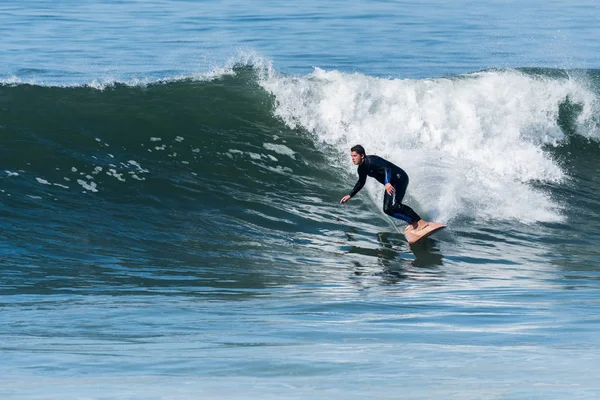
<point x="241" y="59"/>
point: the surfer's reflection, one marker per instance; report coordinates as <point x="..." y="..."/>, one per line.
<point x="395" y="260"/>
<point x="427" y="253"/>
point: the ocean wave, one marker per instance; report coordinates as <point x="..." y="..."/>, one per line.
<point x="475" y="146"/>
<point x="472" y="145"/>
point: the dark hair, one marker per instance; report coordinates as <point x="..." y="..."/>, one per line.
<point x="358" y="149"/>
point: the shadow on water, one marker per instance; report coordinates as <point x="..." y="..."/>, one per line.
<point x="395" y="260"/>
<point x="427" y="253"/>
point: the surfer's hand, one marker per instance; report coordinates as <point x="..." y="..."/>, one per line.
<point x="345" y="199"/>
<point x="389" y="189"/>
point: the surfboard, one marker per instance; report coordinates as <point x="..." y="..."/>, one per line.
<point x="413" y="236"/>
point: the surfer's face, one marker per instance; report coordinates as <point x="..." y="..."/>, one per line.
<point x="357" y="159"/>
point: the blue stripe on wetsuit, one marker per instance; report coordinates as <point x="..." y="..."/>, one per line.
<point x="403" y="217"/>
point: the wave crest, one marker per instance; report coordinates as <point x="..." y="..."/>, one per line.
<point x="472" y="145"/>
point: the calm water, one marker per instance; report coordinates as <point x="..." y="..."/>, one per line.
<point x="171" y="176"/>
<point x="81" y="41"/>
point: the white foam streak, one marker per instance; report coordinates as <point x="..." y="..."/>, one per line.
<point x="472" y="145"/>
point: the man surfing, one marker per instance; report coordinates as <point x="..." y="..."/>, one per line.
<point x="395" y="180"/>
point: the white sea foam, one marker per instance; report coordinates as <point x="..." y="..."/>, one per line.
<point x="472" y="145"/>
<point x="113" y="172"/>
<point x="280" y="149"/>
<point x="91" y="186"/>
<point x="137" y="166"/>
<point x="42" y="181"/>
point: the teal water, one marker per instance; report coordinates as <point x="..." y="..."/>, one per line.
<point x="170" y="218"/>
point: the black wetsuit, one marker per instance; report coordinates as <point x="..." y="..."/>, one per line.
<point x="386" y="172"/>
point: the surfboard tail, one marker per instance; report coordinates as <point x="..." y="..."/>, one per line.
<point x="413" y="235"/>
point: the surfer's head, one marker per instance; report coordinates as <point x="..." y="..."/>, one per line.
<point x="358" y="154"/>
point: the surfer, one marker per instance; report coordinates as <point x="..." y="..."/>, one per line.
<point x="395" y="180"/>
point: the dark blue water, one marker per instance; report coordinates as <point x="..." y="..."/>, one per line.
<point x="169" y="200"/>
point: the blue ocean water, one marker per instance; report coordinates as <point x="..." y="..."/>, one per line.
<point x="171" y="177"/>
<point x="77" y="41"/>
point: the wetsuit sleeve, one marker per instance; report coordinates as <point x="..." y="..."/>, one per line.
<point x="388" y="175"/>
<point x="362" y="178"/>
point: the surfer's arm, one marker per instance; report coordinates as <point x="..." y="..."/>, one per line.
<point x="362" y="178"/>
<point x="359" y="185"/>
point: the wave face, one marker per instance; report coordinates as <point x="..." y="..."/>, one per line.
<point x="195" y="174"/>
<point x="248" y="161"/>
